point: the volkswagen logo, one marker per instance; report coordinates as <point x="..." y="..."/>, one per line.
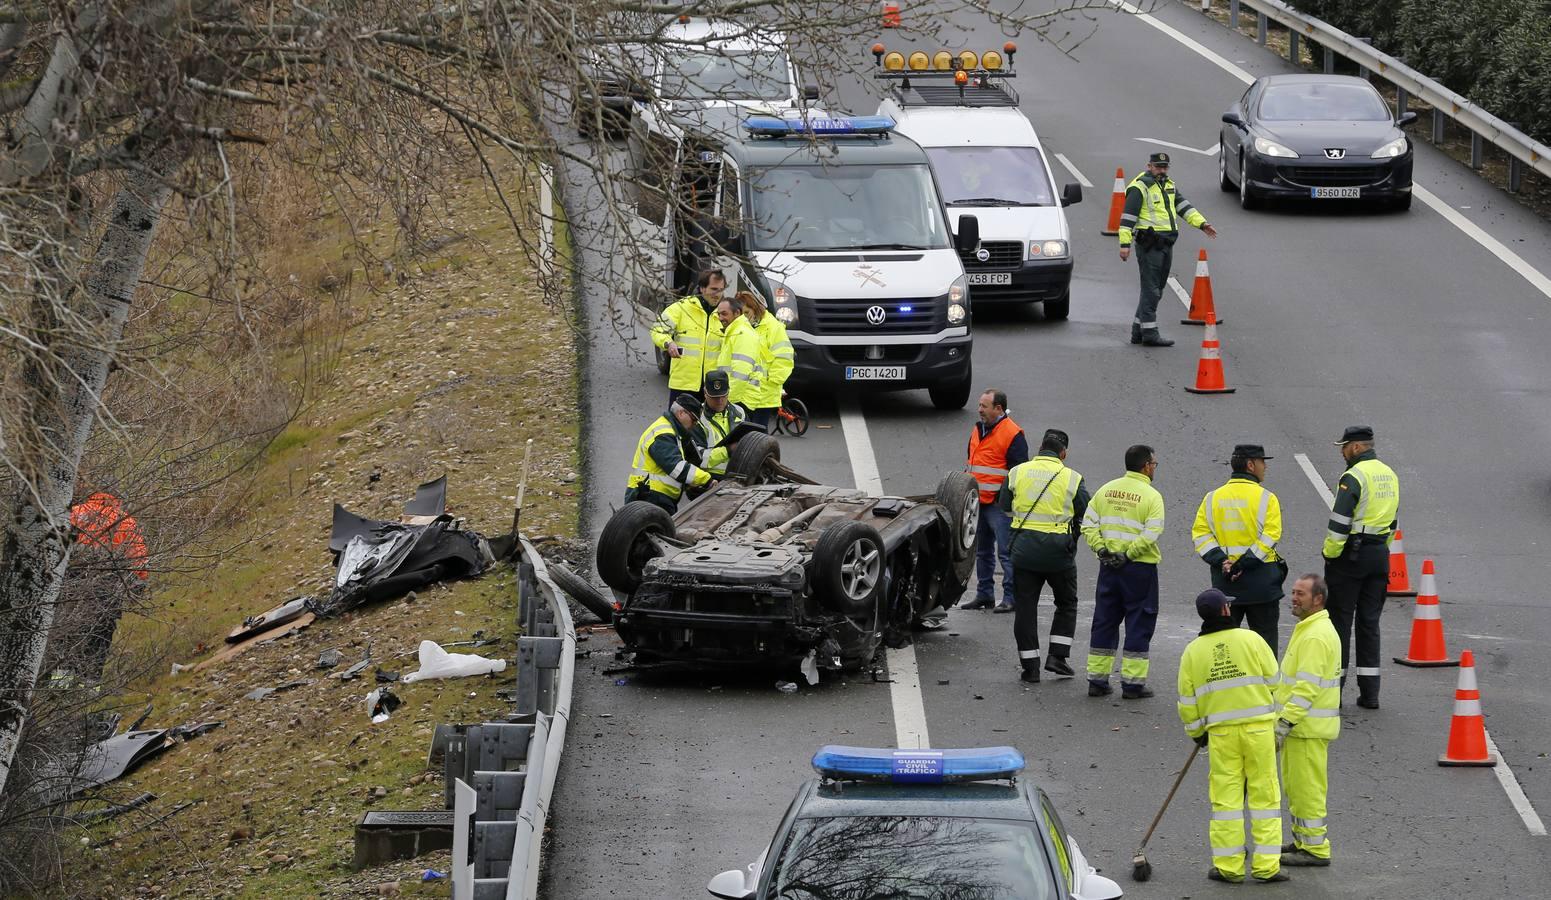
<point x="1335" y="153"/>
<point x="982" y="254"/>
<point x="876" y="315"/>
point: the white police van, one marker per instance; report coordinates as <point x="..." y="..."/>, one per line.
<point x="989" y="162"/>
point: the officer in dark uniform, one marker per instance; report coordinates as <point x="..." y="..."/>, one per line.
<point x="1236" y="532"/>
<point x="1363" y="520"/>
<point x="1153" y="209"/>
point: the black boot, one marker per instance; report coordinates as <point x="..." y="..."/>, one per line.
<point x="1154" y="339"/>
<point x="1058" y="666"/>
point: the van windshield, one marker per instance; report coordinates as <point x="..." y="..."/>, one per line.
<point x="714" y="74"/>
<point x="846" y="207"/>
<point x="992" y="176"/>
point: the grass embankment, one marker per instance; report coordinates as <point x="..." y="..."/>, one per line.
<point x="446" y="371"/>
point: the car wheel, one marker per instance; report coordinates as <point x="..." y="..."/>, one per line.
<point x="582" y="591"/>
<point x="1223" y="181"/>
<point x="959" y="495"/>
<point x="954" y="394"/>
<point x="1247" y="198"/>
<point x="1058" y="309"/>
<point x="626" y="545"/>
<point x="751" y="459"/>
<point x="848" y="568"/>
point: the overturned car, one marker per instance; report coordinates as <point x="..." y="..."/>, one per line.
<point x="765" y="570"/>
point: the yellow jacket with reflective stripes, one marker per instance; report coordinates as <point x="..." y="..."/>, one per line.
<point x="740" y="356"/>
<point x="1367" y="503"/>
<point x="1155" y="205"/>
<point x="1226" y="677"/>
<point x="1126" y="516"/>
<point x="1238" y="518"/>
<point x="698" y="333"/>
<point x="1055" y="487"/>
<point x="717" y="426"/>
<point x="1308" y="696"/>
<point x="659" y="462"/>
<point x="777" y="360"/>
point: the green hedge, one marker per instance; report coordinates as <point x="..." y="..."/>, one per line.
<point x="1496" y="52"/>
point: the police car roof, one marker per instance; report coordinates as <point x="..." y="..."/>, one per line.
<point x="980" y="800"/>
<point x="958" y="126"/>
<point x="807" y="150"/>
<point x="720" y="35"/>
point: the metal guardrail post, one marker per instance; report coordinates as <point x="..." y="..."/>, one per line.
<point x="1362" y="70"/>
<point x="1233" y="13"/>
<point x="1330" y="61"/>
<point x="1293" y="56"/>
<point x="1477" y="151"/>
<point x="1260" y="28"/>
<point x="1402" y="100"/>
<point x="1515" y="171"/>
<point x="1439" y="120"/>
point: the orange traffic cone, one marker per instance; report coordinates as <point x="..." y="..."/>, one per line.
<point x="1117" y="203"/>
<point x="1427" y="647"/>
<point x="1200" y="295"/>
<point x="1399" y="580"/>
<point x="1209" y="374"/>
<point x="1467" y="731"/>
<point x="890" y="13"/>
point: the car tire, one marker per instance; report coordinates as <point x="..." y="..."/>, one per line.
<point x="1224" y="181"/>
<point x="625" y="547"/>
<point x="751" y="459"/>
<point x="1059" y="309"/>
<point x="1247" y="198"/>
<point x="848" y="564"/>
<point x="959" y="495"/>
<point x="582" y="591"/>
<point x="954" y="394"/>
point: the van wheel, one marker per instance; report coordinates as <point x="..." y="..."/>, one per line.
<point x="953" y="394"/>
<point x="1057" y="310"/>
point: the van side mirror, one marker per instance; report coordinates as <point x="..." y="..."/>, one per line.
<point x="810" y="92"/>
<point x="1071" y="193"/>
<point x="729" y="885"/>
<point x="1406" y="118"/>
<point x="968" y="237"/>
<point x="1233" y="118"/>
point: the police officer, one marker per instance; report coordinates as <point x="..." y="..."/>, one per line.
<point x="1236" y="531"/>
<point x="1046" y="501"/>
<point x="689" y="333"/>
<point x="668" y="456"/>
<point x="996" y="444"/>
<point x="1122" y="525"/>
<point x="776" y="360"/>
<point x="1309" y="699"/>
<point x="1153" y="209"/>
<point x="1363" y="520"/>
<point x="1225" y="701"/>
<point x="717" y="420"/>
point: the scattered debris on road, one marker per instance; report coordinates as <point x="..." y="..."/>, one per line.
<point x="438" y="663"/>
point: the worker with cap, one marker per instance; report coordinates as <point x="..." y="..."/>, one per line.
<point x="1122" y="526"/>
<point x="1046" y="501"/>
<point x="1237" y="528"/>
<point x="1308" y="699"/>
<point x="1363" y="521"/>
<point x="690" y="335"/>
<point x="1226" y="676"/>
<point x="1153" y="209"/>
<point x="996" y="445"/>
<point x="717" y="420"/>
<point x="668" y="456"/>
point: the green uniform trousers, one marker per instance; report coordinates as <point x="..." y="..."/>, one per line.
<point x="1306" y="779"/>
<point x="1154" y="264"/>
<point x="1243" y="759"/>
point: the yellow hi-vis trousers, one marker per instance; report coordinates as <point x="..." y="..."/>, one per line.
<point x="1306" y="780"/>
<point x="1243" y="760"/>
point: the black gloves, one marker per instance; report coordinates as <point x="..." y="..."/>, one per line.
<point x="1201" y="741"/>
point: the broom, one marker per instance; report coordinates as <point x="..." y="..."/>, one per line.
<point x="1141" y="869"/>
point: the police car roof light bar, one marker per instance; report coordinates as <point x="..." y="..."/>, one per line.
<point x="889" y="766"/>
<point x="771" y="126"/>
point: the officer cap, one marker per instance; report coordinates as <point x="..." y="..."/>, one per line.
<point x="1056" y="435"/>
<point x="717" y="383"/>
<point x="689" y="403"/>
<point x="1359" y="433"/>
<point x="1250" y="451"/>
<point x="1210" y="603"/>
<point x="1159" y="159"/>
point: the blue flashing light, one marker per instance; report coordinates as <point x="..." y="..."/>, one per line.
<point x="771" y="126"/>
<point x="907" y="309"/>
<point x="917" y="766"/>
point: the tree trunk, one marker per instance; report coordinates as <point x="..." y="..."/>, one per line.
<point x="64" y="396"/>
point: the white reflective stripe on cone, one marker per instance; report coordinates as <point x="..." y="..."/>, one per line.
<point x="1467" y="708"/>
<point x="1467" y="678"/>
<point x="1200" y="268"/>
<point x="1211" y="353"/>
<point x="1425" y="611"/>
<point x="1429" y="585"/>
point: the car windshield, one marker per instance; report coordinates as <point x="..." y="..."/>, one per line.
<point x="713" y="74"/>
<point x="1321" y="102"/>
<point x="846" y="207"/>
<point x="912" y="858"/>
<point x="991" y="176"/>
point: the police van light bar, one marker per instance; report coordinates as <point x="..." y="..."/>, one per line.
<point x="770" y="126"/>
<point x="917" y="766"/>
<point x="897" y="65"/>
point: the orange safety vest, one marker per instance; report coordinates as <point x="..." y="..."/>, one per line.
<point x="101" y="522"/>
<point x="988" y="456"/>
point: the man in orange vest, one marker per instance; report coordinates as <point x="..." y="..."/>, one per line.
<point x="995" y="445"/>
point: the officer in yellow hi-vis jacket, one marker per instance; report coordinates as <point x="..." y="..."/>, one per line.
<point x="1225" y="681"/>
<point x="1309" y="700"/>
<point x="690" y="334"/>
<point x="1237" y="528"/>
<point x="1122" y="525"/>
<point x="718" y="420"/>
<point x="668" y="456"/>
<point x="1151" y="217"/>
<point x="1363" y="520"/>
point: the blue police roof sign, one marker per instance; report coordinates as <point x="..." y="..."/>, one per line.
<point x="771" y="126"/>
<point x="917" y="766"/>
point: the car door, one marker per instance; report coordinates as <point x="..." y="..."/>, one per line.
<point x="730" y="251"/>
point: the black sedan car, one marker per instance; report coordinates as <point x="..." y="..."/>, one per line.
<point x="1320" y="137"/>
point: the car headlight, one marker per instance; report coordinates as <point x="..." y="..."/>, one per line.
<point x="1272" y="148"/>
<point x="956" y="314"/>
<point x="1047" y="249"/>
<point x="783" y="302"/>
<point x="1390" y="150"/>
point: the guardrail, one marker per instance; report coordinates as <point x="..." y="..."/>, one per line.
<point x="501" y="775"/>
<point x="1522" y="150"/>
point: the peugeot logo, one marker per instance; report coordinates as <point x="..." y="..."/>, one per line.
<point x="1335" y="153"/>
<point x="876" y="315"/>
<point x="982" y="254"/>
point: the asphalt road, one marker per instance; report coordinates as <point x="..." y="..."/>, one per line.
<point x="1332" y="317"/>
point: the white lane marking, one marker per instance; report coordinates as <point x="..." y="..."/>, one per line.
<point x="1209" y="151"/>
<point x="1177" y="35"/>
<point x="1515" y="793"/>
<point x="1179" y="289"/>
<point x="1061" y="157"/>
<point x="1314" y="479"/>
<point x="904" y="677"/>
<point x="1493" y="246"/>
